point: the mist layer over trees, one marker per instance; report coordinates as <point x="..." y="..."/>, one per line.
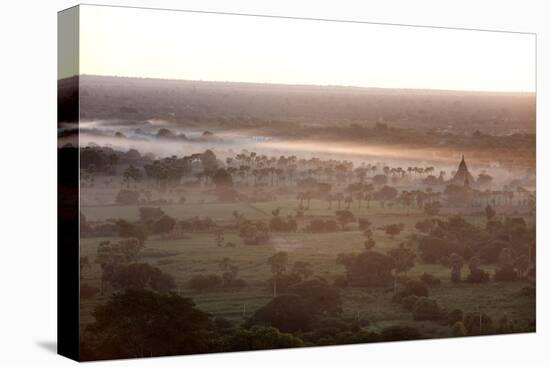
<point x="220" y="217"/>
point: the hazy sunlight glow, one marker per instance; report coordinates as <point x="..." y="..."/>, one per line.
<point x="217" y="47"/>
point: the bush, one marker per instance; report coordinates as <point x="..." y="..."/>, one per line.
<point x="322" y="226"/>
<point x="163" y="225"/>
<point x="145" y="323"/>
<point x="132" y="230"/>
<point x="433" y="249"/>
<point x="260" y="337"/>
<point x="368" y="269"/>
<point x="478" y="323"/>
<point x="477" y="276"/>
<point x="288" y="313"/>
<point x="150" y="213"/>
<point x="254" y="234"/>
<point x="458" y="329"/>
<point x="321" y="298"/>
<point x="429" y="279"/>
<point x="278" y="224"/>
<point x="408" y="302"/>
<point x="141" y="276"/>
<point x="395" y="333"/>
<point x="455" y="316"/>
<point x="364" y="223"/>
<point x="426" y="309"/>
<point x="412" y="287"/>
<point x="329" y="328"/>
<point x="505" y="325"/>
<point x="201" y="282"/>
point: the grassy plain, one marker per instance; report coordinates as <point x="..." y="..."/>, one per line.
<point x="199" y="254"/>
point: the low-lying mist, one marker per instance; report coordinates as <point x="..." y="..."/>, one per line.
<point x="144" y="137"/>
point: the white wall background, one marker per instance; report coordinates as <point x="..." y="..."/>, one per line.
<point x="28" y="184"/>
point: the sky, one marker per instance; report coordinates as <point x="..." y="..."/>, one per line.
<point x="217" y="47"/>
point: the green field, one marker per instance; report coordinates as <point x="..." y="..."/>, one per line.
<point x="199" y="254"/>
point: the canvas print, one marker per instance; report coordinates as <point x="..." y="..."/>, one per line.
<point x="246" y="182"/>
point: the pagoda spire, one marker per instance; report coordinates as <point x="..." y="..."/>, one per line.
<point x="462" y="176"/>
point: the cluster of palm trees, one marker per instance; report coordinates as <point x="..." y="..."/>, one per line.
<point x="289" y="169"/>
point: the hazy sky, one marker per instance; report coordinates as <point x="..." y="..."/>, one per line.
<point x="194" y="46"/>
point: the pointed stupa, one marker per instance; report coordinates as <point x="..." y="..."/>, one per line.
<point x="462" y="176"/>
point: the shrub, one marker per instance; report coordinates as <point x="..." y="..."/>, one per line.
<point x="141" y="276"/>
<point x="344" y="217"/>
<point x="132" y="230"/>
<point x="426" y="309"/>
<point x="150" y="213"/>
<point x="413" y="287"/>
<point x="364" y="223"/>
<point x="254" y="234"/>
<point x="394" y="229"/>
<point x="433" y="249"/>
<point x="140" y="323"/>
<point x="330" y="326"/>
<point x="288" y="313"/>
<point x="163" y="225"/>
<point x="260" y="337"/>
<point x="368" y="269"/>
<point x="477" y="323"/>
<point x="458" y="329"/>
<point x="408" y="302"/>
<point x="429" y="279"/>
<point x="278" y="224"/>
<point x="455" y="316"/>
<point x="398" y="332"/>
<point x="505" y="325"/>
<point x="321" y="298"/>
<point x="477" y="276"/>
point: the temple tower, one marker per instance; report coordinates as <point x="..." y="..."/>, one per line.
<point x="462" y="176"/>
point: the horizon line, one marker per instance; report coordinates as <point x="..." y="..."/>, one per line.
<point x="343" y="86"/>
